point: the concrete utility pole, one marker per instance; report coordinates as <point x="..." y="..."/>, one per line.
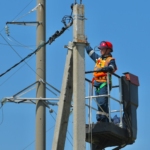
<point x="64" y="103"/>
<point x="78" y="78"/>
<point x="41" y="74"/>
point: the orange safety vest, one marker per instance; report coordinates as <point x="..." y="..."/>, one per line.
<point x="100" y="63"/>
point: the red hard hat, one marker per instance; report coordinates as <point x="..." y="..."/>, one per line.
<point x="106" y="44"/>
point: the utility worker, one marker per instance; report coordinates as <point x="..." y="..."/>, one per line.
<point x="103" y="63"/>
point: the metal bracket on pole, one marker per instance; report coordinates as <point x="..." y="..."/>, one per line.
<point x="69" y="46"/>
<point x="16" y="98"/>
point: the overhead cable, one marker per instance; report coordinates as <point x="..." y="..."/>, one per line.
<point x="18" y="55"/>
<point x="20" y="44"/>
<point x="32" y="10"/>
<point x="2" y="115"/>
<point x="51" y="39"/>
<point x="34" y="140"/>
<point x="12" y="75"/>
<point x="76" y="1"/>
<point x="20" y="12"/>
<point x="17" y="45"/>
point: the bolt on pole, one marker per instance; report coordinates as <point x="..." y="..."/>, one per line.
<point x="78" y="78"/>
<point x="41" y="74"/>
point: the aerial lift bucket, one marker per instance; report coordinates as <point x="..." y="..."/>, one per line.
<point x="103" y="134"/>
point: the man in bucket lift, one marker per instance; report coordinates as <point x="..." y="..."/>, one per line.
<point x="104" y="63"/>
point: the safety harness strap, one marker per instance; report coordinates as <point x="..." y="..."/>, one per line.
<point x="101" y="86"/>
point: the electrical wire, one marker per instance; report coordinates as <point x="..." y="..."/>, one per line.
<point x="17" y="45"/>
<point x="51" y="39"/>
<point x="10" y="46"/>
<point x="2" y="115"/>
<point x="20" y="67"/>
<point x="22" y="10"/>
<point x="19" y="13"/>
<point x="34" y="140"/>
<point x="16" y="72"/>
<point x="17" y="69"/>
<point x="76" y="1"/>
<point x="28" y="145"/>
<point x="18" y="55"/>
<point x="11" y="75"/>
<point x="22" y="45"/>
<point x="28" y="12"/>
<point x="67" y="130"/>
<point x="20" y="61"/>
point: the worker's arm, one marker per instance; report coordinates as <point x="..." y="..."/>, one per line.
<point x="91" y="53"/>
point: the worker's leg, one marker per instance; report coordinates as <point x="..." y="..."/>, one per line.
<point x="102" y="102"/>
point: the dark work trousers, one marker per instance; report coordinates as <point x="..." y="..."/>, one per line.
<point x="103" y="102"/>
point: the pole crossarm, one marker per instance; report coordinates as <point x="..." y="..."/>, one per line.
<point x="24" y="23"/>
<point x="27" y="100"/>
<point x="25" y="89"/>
<point x="16" y="98"/>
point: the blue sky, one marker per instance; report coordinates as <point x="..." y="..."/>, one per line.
<point x="125" y="23"/>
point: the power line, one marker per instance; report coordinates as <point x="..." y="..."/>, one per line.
<point x="23" y="9"/>
<point x="34" y="140"/>
<point x="2" y="114"/>
<point x="76" y="1"/>
<point x="51" y="39"/>
<point x="18" y="55"/>
<point x="67" y="130"/>
<point x="12" y="75"/>
<point x="19" y="12"/>
<point x="46" y="132"/>
<point x="28" y="12"/>
<point x="16" y="45"/>
<point x="21" y="60"/>
<point x="11" y="46"/>
<point x="20" y="44"/>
